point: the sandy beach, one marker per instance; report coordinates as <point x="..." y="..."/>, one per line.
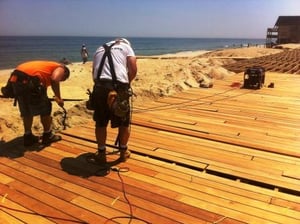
<point x="158" y="76"/>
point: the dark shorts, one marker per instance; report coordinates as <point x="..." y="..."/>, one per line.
<point x="102" y="114"/>
<point x="43" y="108"/>
<point x="31" y="101"/>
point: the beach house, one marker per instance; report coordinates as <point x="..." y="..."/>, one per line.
<point x="285" y="30"/>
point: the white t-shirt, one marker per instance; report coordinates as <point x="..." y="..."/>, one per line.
<point x="119" y="53"/>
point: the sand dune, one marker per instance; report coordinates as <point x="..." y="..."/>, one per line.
<point x="158" y="76"/>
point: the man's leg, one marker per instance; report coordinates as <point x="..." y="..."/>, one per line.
<point x="48" y="136"/>
<point x="124" y="134"/>
<point x="27" y="122"/>
<point x="101" y="134"/>
<point x="29" y="138"/>
<point x="46" y="122"/>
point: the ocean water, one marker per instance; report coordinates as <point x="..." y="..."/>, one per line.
<point x="17" y="49"/>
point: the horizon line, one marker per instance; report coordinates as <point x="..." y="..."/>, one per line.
<point x="131" y="36"/>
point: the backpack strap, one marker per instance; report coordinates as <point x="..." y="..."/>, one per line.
<point x="107" y="54"/>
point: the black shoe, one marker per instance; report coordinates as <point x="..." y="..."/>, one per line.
<point x="124" y="155"/>
<point x="30" y="139"/>
<point x="49" y="137"/>
<point x="98" y="158"/>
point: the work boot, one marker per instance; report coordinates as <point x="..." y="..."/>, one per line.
<point x="30" y="139"/>
<point x="100" y="157"/>
<point x="49" y="137"/>
<point x="124" y="154"/>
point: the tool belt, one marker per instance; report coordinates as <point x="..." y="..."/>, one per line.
<point x="117" y="98"/>
<point x="118" y="101"/>
<point x="28" y="86"/>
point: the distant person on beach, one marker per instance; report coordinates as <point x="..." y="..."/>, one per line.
<point x="30" y="81"/>
<point x="84" y="54"/>
<point x="124" y="64"/>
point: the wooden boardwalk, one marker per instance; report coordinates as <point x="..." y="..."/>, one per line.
<point x="284" y="62"/>
<point x="221" y="155"/>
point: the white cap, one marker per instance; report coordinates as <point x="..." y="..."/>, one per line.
<point x="124" y="41"/>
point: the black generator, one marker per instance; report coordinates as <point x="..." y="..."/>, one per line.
<point x="254" y="77"/>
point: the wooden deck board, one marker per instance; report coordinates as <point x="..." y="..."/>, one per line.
<point x="219" y="155"/>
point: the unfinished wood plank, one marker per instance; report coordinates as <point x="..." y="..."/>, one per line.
<point x="6" y="218"/>
<point x="205" y="197"/>
<point x="292" y="173"/>
<point x="67" y="186"/>
<point x="284" y="184"/>
<point x="4" y="179"/>
<point x="220" y="138"/>
<point x="251" y="215"/>
<point x="235" y="197"/>
<point x="39" y="211"/>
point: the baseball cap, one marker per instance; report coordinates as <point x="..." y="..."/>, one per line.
<point x="124" y="40"/>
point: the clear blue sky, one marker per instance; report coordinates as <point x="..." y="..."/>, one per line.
<point x="144" y="18"/>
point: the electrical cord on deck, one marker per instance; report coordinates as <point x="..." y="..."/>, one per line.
<point x="131" y="217"/>
<point x="120" y="170"/>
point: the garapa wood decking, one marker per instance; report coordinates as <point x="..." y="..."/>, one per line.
<point x="218" y="155"/>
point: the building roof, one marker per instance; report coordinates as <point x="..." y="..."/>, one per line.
<point x="288" y="20"/>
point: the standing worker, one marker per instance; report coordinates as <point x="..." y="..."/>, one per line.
<point x="84" y="54"/>
<point x="30" y="81"/>
<point x="125" y="69"/>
